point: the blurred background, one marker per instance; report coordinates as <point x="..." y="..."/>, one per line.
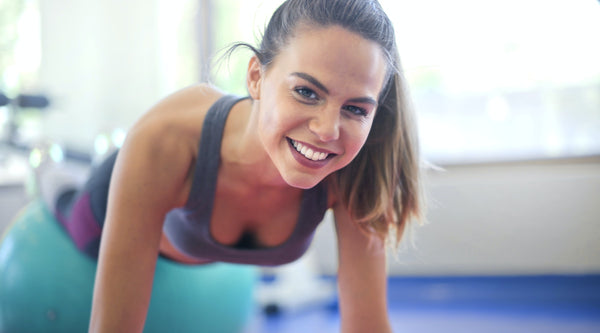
<point x="507" y="95"/>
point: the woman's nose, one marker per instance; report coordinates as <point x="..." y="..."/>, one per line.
<point x="326" y="124"/>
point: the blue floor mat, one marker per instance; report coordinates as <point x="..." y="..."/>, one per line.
<point x="553" y="304"/>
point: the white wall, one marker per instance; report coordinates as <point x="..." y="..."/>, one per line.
<point x="104" y="63"/>
<point x="510" y="218"/>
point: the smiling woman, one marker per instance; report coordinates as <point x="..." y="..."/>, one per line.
<point x="308" y="96"/>
<point x="207" y="177"/>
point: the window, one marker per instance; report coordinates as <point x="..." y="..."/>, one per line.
<point x="502" y="80"/>
<point x="102" y="63"/>
<point x="237" y="21"/>
<point x="20" y="52"/>
<point x="20" y="44"/>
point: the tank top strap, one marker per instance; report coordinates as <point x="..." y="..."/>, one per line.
<point x="209" y="155"/>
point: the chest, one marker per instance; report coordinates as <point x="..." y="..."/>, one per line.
<point x="265" y="217"/>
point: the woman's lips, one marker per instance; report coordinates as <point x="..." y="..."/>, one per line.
<point x="309" y="156"/>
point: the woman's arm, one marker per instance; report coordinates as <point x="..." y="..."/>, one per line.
<point x="148" y="180"/>
<point x="362" y="277"/>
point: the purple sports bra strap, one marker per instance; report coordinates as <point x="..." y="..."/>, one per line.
<point x="204" y="182"/>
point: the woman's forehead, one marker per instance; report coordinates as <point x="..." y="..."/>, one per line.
<point x="336" y="56"/>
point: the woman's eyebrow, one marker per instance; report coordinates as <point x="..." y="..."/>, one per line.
<point x="313" y="80"/>
<point x="363" y="100"/>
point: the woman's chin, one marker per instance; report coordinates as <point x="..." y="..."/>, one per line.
<point x="304" y="183"/>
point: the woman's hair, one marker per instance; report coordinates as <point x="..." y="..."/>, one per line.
<point x="381" y="186"/>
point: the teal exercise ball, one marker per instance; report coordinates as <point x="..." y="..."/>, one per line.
<point x="46" y="285"/>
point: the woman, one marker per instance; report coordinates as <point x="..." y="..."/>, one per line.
<point x="205" y="177"/>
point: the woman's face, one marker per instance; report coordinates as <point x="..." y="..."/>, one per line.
<point x="317" y="102"/>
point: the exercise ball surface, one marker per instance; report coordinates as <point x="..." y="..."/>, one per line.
<point x="46" y="285"/>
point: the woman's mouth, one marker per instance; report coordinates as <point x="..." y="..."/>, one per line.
<point x="309" y="153"/>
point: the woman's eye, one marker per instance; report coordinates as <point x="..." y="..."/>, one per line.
<point x="355" y="110"/>
<point x="306" y="93"/>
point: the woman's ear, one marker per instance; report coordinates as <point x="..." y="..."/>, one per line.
<point x="254" y="77"/>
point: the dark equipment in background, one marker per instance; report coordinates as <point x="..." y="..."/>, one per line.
<point x="28" y="102"/>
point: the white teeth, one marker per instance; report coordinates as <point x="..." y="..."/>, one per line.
<point x="308" y="152"/>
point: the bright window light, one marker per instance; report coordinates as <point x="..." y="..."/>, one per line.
<point x="503" y="80"/>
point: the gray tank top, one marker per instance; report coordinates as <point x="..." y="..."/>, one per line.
<point x="188" y="228"/>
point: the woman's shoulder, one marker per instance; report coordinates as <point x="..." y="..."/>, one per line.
<point x="167" y="135"/>
<point x="190" y="101"/>
<point x="180" y="114"/>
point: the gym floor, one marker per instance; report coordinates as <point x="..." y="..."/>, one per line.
<point x="520" y="304"/>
